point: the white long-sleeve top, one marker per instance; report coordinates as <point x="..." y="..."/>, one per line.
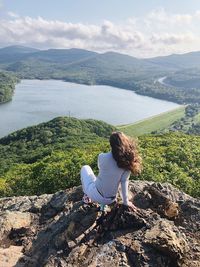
<point x="110" y="176"/>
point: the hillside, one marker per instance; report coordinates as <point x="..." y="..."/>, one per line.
<point x="48" y="157"/>
<point x="58" y="230"/>
<point x="188" y="78"/>
<point x="178" y="61"/>
<point x="7" y="86"/>
<point x="14" y="53"/>
<point x="63" y="133"/>
<point x="185" y="119"/>
<point x="110" y="68"/>
<point x="188" y="122"/>
<point x="156" y="123"/>
<point x="83" y="66"/>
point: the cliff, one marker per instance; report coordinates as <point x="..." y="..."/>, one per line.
<point x="57" y="230"/>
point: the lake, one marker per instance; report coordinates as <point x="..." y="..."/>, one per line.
<point x="38" y="101"/>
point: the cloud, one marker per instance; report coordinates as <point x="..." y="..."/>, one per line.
<point x="173" y="39"/>
<point x="12" y="14"/>
<point x="158" y="33"/>
<point x="60" y="34"/>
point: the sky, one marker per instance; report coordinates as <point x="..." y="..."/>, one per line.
<point x="144" y="28"/>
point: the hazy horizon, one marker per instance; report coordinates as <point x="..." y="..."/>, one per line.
<point x="109" y="51"/>
<point x="143" y="30"/>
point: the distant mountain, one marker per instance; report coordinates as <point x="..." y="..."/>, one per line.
<point x="82" y="66"/>
<point x="17" y="49"/>
<point x="172" y="62"/>
<point x="178" y="61"/>
<point x="16" y="52"/>
<point x="119" y="62"/>
<point x="63" y="55"/>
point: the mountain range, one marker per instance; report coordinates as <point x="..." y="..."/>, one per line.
<point x="110" y="68"/>
<point x="74" y="55"/>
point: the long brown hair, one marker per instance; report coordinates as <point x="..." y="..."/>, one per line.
<point x="125" y="152"/>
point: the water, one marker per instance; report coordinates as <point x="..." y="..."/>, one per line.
<point x="38" y="101"/>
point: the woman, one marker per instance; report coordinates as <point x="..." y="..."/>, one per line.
<point x="115" y="168"/>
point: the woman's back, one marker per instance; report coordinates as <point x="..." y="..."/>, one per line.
<point x="109" y="176"/>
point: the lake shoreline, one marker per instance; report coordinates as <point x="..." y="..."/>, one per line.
<point x="129" y="89"/>
<point x="113" y="86"/>
<point x="37" y="101"/>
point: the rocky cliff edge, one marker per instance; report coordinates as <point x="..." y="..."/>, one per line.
<point x="58" y="230"/>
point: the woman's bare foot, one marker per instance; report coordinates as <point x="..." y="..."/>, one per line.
<point x="86" y="199"/>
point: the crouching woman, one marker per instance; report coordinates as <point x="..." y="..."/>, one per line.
<point x="115" y="168"/>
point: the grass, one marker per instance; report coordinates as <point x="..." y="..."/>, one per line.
<point x="155" y="123"/>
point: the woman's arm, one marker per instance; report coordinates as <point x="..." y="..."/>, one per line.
<point x="124" y="190"/>
<point x="124" y="187"/>
<point x="99" y="160"/>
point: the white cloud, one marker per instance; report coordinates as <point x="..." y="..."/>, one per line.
<point x="157" y="33"/>
<point x="173" y="39"/>
<point x="13" y="15"/>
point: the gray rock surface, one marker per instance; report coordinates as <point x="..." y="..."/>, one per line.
<point x="58" y="230"/>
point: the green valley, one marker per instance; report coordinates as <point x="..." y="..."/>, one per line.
<point x="155" y="123"/>
<point x="185" y="119"/>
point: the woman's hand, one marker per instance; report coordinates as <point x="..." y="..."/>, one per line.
<point x="132" y="206"/>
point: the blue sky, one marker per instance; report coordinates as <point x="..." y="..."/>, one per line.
<point x="142" y="28"/>
<point x="96" y="10"/>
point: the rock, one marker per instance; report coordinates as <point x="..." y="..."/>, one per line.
<point x="57" y="230"/>
<point x="166" y="238"/>
<point x="25" y="203"/>
<point x="171" y="209"/>
<point x="10" y="256"/>
<point x="13" y="220"/>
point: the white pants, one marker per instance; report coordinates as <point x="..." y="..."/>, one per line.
<point x="88" y="183"/>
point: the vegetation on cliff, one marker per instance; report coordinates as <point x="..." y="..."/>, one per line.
<point x="48" y="157"/>
<point x="61" y="134"/>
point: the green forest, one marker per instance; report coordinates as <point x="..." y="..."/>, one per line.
<point x="181" y="95"/>
<point x="48" y="157"/>
<point x="7" y="86"/>
<point x="188" y="78"/>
